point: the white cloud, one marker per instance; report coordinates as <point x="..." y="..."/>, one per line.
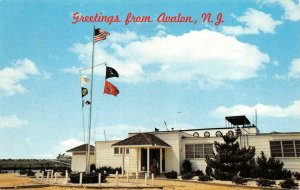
<point x="291" y="8"/>
<point x="118" y="132"/>
<point x="294" y="71"/>
<point x="255" y="23"/>
<point x="11" y="77"/>
<point x="73" y="70"/>
<point x="67" y="144"/>
<point x="12" y="121"/>
<point x="127" y="36"/>
<point x="263" y="110"/>
<point x="192" y="56"/>
<point x="161" y="30"/>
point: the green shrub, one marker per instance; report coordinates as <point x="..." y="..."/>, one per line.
<point x="197" y="172"/>
<point x="208" y="170"/>
<point x="265" y="182"/>
<point x="187" y="176"/>
<point x="171" y="175"/>
<point x="22" y="172"/>
<point x="108" y="170"/>
<point x="288" y="183"/>
<point x="86" y="178"/>
<point x="187" y="166"/>
<point x="204" y="178"/>
<point x="296" y="175"/>
<point x="270" y="168"/>
<point x="239" y="180"/>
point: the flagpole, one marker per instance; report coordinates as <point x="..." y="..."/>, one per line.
<point x="91" y="100"/>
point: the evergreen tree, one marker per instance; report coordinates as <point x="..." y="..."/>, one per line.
<point x="229" y="159"/>
<point x="270" y="168"/>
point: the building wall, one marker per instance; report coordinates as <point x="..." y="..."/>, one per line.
<point x="78" y="162"/>
<point x="260" y="142"/>
<point x="172" y="155"/>
<point x="176" y="154"/>
<point x="105" y="157"/>
<point x="105" y="154"/>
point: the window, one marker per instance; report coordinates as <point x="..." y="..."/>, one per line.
<point x="285" y="148"/>
<point x="219" y="134"/>
<point x="116" y="150"/>
<point x="207" y="134"/>
<point x="275" y="148"/>
<point x="297" y="146"/>
<point x="120" y="150"/>
<point x="230" y="133"/>
<point x="208" y="149"/>
<point x="189" y="151"/>
<point x="198" y="150"/>
<point x="288" y="149"/>
<point x="196" y="134"/>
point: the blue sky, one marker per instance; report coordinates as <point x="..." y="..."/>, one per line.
<point x="189" y="75"/>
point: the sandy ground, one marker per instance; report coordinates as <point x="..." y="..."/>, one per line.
<point x="14" y="180"/>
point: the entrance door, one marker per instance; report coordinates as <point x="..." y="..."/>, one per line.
<point x="154" y="154"/>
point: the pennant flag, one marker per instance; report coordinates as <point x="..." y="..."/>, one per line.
<point x="100" y="34"/>
<point x="85" y="102"/>
<point x="111" y="72"/>
<point x="84" y="91"/>
<point x="109" y="88"/>
<point x="84" y="80"/>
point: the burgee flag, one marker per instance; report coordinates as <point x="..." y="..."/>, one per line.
<point x="84" y="80"/>
<point x="109" y="88"/>
<point x="111" y="72"/>
<point x="85" y="102"/>
<point x="84" y="91"/>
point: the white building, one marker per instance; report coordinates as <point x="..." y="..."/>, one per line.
<point x="79" y="157"/>
<point x="170" y="148"/>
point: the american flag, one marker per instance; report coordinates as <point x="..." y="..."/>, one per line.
<point x="100" y="34"/>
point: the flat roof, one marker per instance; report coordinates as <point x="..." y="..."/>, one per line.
<point x="238" y="120"/>
<point x="200" y="129"/>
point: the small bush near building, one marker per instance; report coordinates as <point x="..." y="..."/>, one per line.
<point x="296" y="175"/>
<point x="108" y="170"/>
<point x="22" y="172"/>
<point x="208" y="170"/>
<point x="86" y="178"/>
<point x="265" y="182"/>
<point x="119" y="169"/>
<point x="197" y="172"/>
<point x="288" y="183"/>
<point x="187" y="166"/>
<point x="187" y="176"/>
<point x="204" y="178"/>
<point x="30" y="173"/>
<point x="239" y="180"/>
<point x="171" y="175"/>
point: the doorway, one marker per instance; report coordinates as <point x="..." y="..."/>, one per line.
<point x="154" y="154"/>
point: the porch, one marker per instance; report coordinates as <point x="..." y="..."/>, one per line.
<point x="150" y="153"/>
